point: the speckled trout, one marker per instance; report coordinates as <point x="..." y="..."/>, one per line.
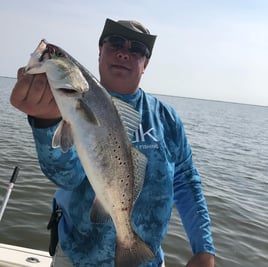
<point x="100" y="127"/>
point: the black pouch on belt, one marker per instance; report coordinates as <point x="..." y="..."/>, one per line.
<point x="53" y="227"/>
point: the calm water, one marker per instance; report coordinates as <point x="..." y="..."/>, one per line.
<point x="230" y="147"/>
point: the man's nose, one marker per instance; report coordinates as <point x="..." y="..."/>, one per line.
<point x="123" y="54"/>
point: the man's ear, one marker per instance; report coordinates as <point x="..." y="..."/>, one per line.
<point x="146" y="62"/>
<point x="100" y="51"/>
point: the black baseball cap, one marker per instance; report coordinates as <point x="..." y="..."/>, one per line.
<point x="130" y="29"/>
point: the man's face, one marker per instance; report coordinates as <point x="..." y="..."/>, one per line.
<point x="121" y="65"/>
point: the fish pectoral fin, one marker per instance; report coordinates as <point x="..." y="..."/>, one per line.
<point x="86" y="112"/>
<point x="63" y="137"/>
<point x="98" y="214"/>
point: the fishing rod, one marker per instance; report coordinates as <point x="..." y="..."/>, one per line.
<point x="9" y="189"/>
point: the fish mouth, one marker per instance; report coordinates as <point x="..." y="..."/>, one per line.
<point x="28" y="68"/>
<point x="68" y="91"/>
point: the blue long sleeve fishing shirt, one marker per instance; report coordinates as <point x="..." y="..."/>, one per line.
<point x="171" y="177"/>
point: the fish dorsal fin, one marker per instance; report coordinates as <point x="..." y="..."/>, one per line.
<point x="139" y="164"/>
<point x="128" y="115"/>
<point x="63" y="137"/>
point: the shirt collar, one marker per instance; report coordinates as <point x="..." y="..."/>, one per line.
<point x="129" y="98"/>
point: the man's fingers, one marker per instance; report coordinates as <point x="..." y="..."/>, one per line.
<point x="39" y="88"/>
<point x="21" y="89"/>
<point x="20" y="73"/>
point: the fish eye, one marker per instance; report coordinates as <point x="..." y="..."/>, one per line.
<point x="45" y="55"/>
<point x="54" y="51"/>
<point x="58" y="53"/>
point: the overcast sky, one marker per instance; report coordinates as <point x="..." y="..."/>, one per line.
<point x="210" y="49"/>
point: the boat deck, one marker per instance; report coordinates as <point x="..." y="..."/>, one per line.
<point x="14" y="256"/>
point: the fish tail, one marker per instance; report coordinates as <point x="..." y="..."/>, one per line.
<point x="132" y="256"/>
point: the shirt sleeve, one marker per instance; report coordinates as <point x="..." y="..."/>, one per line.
<point x="64" y="169"/>
<point x="189" y="198"/>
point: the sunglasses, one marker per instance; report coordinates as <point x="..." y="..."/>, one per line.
<point x="120" y="42"/>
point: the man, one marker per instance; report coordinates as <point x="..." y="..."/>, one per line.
<point x="125" y="48"/>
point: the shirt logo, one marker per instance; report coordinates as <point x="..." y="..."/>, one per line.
<point x="145" y="138"/>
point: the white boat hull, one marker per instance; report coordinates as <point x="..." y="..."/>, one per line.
<point x="14" y="256"/>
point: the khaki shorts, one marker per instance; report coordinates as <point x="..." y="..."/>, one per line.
<point x="59" y="259"/>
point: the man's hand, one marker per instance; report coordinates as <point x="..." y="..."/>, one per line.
<point x="32" y="95"/>
<point x="201" y="260"/>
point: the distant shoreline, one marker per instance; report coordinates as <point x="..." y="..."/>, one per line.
<point x="7" y="77"/>
<point x="204" y="99"/>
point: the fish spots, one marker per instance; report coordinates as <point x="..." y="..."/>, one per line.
<point x="120" y="162"/>
<point x="116" y="150"/>
<point x="125" y="183"/>
<point x="125" y="202"/>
